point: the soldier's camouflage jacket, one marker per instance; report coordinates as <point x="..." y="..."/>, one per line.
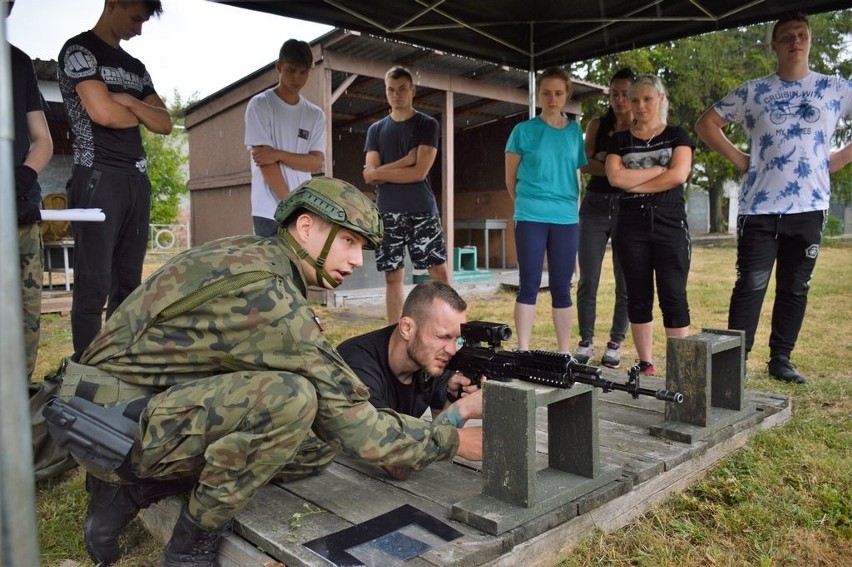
<point x="239" y="303"/>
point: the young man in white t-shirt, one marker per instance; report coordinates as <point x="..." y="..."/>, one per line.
<point x="285" y="134"/>
<point x="790" y="117"/>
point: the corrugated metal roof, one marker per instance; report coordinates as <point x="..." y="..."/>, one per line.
<point x="363" y="102"/>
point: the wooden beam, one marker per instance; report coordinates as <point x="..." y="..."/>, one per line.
<point x="341" y="88"/>
<point x="441" y="82"/>
<point x="448" y="175"/>
<point x="327" y="99"/>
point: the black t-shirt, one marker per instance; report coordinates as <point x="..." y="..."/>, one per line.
<point x="393" y="140"/>
<point x="86" y="57"/>
<point x="599" y="183"/>
<point x="637" y="153"/>
<point x="25" y="98"/>
<point x="367" y="355"/>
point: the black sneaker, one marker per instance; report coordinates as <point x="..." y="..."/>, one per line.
<point x="782" y="369"/>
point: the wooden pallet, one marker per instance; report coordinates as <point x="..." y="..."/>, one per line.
<point x="349" y="493"/>
<point x="56" y="302"/>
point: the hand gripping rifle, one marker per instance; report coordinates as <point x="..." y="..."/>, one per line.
<point x="537" y="366"/>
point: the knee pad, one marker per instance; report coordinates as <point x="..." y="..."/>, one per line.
<point x="753" y="281"/>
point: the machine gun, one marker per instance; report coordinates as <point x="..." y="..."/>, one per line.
<point x="540" y="367"/>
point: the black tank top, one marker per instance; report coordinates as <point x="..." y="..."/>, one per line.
<point x="599" y="183"/>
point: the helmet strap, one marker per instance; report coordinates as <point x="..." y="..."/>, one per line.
<point x="319" y="263"/>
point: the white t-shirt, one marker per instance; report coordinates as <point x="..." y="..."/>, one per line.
<point x="790" y="125"/>
<point x="298" y="128"/>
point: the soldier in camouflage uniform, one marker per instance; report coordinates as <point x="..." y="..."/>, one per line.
<point x="245" y="385"/>
<point x="32" y="150"/>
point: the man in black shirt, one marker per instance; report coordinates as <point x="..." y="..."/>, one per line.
<point x="108" y="94"/>
<point x="405" y="365"/>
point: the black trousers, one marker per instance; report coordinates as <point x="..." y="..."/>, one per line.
<point x="653" y="245"/>
<point x="108" y="255"/>
<point x="791" y="243"/>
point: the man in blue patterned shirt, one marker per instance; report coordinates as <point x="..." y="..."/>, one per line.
<point x="790" y="117"/>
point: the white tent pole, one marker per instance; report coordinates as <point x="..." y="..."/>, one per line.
<point x="531" y="78"/>
<point x="18" y="527"/>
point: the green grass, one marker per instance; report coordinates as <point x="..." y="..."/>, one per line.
<point x="783" y="499"/>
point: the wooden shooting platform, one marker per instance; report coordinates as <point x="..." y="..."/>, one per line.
<point x="273" y="528"/>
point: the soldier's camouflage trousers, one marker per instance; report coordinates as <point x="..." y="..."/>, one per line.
<point x="234" y="432"/>
<point x="32" y="270"/>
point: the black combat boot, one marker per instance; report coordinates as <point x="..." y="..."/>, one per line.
<point x="113" y="506"/>
<point x="192" y="545"/>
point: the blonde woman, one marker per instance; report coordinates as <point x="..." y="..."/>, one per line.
<point x="650" y="163"/>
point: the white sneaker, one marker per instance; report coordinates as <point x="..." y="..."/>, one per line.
<point x="612" y="355"/>
<point x="585" y="351"/>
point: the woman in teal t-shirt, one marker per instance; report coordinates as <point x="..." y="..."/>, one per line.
<point x="543" y="155"/>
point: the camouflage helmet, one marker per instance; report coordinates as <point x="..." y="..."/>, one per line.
<point x="338" y="202"/>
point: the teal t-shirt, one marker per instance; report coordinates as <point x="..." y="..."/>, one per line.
<point x="547" y="188"/>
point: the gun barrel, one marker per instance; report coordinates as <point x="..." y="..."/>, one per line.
<point x="669" y="396"/>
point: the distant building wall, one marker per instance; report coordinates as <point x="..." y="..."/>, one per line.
<point x="219" y="172"/>
<point x="480" y="157"/>
<point x="698" y="211"/>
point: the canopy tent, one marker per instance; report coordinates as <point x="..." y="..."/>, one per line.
<point x="526" y="34"/>
<point x="530" y="34"/>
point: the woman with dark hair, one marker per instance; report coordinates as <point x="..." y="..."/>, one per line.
<point x="543" y="155"/>
<point x="651" y="163"/>
<point x="598" y="215"/>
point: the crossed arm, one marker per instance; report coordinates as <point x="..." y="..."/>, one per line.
<point x="121" y="110"/>
<point x="654" y="179"/>
<point x="267" y="159"/>
<point x="412" y="168"/>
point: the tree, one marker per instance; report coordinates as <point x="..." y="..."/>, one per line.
<point x="167" y="165"/>
<point x="699" y="70"/>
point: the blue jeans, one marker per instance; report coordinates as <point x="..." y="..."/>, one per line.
<point x="598" y="216"/>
